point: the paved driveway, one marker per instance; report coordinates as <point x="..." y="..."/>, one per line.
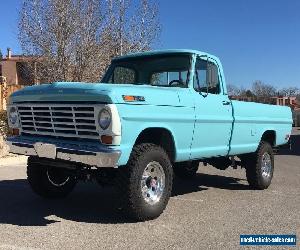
<point x="209" y="212"/>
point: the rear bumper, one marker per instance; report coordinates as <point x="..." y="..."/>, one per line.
<point x="89" y="153"/>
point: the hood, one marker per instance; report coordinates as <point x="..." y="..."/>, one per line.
<point x="95" y="92"/>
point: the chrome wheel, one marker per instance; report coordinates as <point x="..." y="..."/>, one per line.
<point x="266" y="163"/>
<point x="57" y="177"/>
<point x="153" y="182"/>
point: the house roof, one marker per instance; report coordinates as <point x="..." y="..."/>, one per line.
<point x="18" y="58"/>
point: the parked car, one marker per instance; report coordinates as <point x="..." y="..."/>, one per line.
<point x="153" y="114"/>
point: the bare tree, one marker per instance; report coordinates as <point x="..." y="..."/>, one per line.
<point x="263" y="92"/>
<point x="233" y="90"/>
<point x="74" y="40"/>
<point x="288" y="92"/>
<point x="246" y="93"/>
<point x="129" y="27"/>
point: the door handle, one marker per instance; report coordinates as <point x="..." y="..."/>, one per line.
<point x="226" y="102"/>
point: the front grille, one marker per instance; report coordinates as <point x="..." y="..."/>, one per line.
<point x="62" y="120"/>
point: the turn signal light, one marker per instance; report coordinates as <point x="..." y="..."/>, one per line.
<point x="133" y="98"/>
<point x="106" y="139"/>
<point x="128" y="98"/>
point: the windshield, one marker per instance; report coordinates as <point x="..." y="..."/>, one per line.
<point x="166" y="70"/>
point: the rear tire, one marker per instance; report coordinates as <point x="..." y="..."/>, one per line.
<point x="186" y="170"/>
<point x="145" y="183"/>
<point x="49" y="182"/>
<point x="260" y="166"/>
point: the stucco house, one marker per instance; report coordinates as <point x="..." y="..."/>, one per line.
<point x="14" y="74"/>
<point x="14" y="70"/>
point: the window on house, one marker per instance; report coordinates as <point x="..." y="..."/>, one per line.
<point x="287" y="102"/>
<point x="25" y="73"/>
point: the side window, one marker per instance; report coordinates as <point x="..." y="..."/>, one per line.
<point x="206" y="78"/>
<point x="200" y="76"/>
<point x="213" y="79"/>
<point x="122" y="75"/>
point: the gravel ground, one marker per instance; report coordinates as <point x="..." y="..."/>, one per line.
<point x="209" y="212"/>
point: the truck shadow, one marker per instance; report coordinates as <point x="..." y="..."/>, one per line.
<point x="88" y="203"/>
<point x="295" y="147"/>
<point x="206" y="181"/>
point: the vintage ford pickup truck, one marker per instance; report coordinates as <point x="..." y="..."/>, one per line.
<point x="153" y="114"/>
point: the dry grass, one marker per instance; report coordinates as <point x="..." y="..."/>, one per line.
<point x="3" y="124"/>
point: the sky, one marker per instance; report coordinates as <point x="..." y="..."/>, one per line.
<point x="255" y="40"/>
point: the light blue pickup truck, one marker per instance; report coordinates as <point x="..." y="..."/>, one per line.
<point x="153" y="114"/>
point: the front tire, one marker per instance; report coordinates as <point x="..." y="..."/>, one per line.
<point x="145" y="183"/>
<point x="49" y="182"/>
<point x="260" y="166"/>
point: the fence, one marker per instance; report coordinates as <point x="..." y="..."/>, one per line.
<point x="5" y="92"/>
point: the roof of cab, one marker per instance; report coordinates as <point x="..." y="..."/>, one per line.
<point x="163" y="52"/>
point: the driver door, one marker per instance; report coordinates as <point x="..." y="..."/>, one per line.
<point x="213" y="118"/>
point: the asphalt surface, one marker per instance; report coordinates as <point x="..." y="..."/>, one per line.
<point x="209" y="212"/>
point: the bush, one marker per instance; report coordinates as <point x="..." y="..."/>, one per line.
<point x="4" y="130"/>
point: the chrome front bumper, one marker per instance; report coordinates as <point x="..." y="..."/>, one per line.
<point x="89" y="153"/>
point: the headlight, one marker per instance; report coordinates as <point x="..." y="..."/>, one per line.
<point x="104" y="118"/>
<point x="13" y="115"/>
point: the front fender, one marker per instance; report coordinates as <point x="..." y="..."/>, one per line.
<point x="179" y="121"/>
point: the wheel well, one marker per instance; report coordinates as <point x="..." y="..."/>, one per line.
<point x="269" y="136"/>
<point x="158" y="136"/>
